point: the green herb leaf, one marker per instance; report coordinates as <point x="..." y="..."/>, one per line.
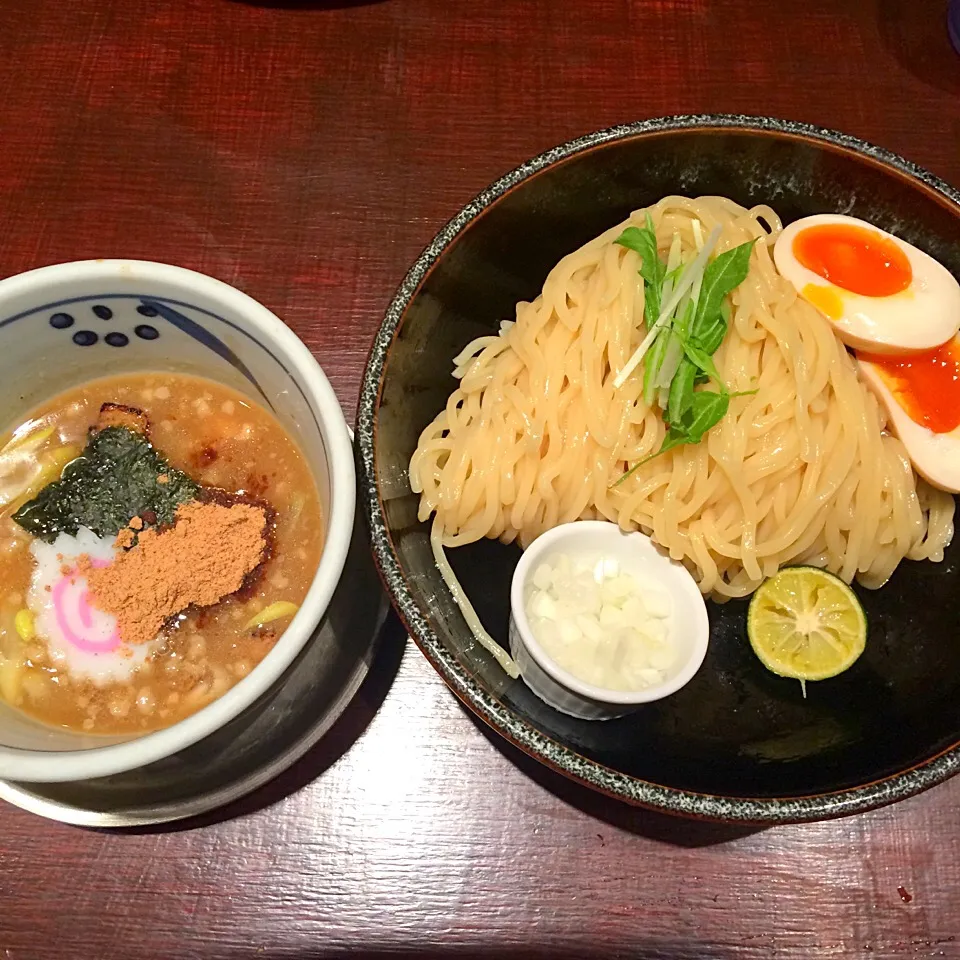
<point x="681" y="392"/>
<point x="673" y="275"/>
<point x="685" y="320"/>
<point x="701" y="359"/>
<point x="711" y="334"/>
<point x="691" y="275"/>
<point x="643" y="240"/>
<point x="722" y="275"/>
<point x="705" y="411"/>
<point x="673" y="438"/>
<point x="652" y="366"/>
<point x="115" y="479"/>
<point x="653" y="271"/>
<point x="700" y="328"/>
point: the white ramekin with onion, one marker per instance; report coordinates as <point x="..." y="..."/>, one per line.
<point x="602" y="621"/>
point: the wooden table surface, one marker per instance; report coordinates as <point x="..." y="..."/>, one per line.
<point x="306" y="152"/>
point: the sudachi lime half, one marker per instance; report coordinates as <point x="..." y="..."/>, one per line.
<point x="806" y="624"/>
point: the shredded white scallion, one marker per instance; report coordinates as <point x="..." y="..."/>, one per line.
<point x="698" y="234"/>
<point x="690" y="274"/>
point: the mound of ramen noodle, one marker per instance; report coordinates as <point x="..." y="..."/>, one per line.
<point x="672" y="378"/>
<point x="157" y="534"/>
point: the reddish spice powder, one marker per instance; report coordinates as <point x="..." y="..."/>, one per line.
<point x="126" y="538"/>
<point x="205" y="556"/>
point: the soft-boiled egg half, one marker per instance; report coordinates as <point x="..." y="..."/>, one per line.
<point x="881" y="293"/>
<point x="921" y="393"/>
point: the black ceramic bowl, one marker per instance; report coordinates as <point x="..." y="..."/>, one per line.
<point x="737" y="743"/>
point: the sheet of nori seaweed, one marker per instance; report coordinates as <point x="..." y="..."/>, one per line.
<point x="115" y="479"/>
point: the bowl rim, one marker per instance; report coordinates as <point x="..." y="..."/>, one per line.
<point x="502" y="718"/>
<point x="676" y="580"/>
<point x="63" y="765"/>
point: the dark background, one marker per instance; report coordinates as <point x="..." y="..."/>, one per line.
<point x="306" y="152"/>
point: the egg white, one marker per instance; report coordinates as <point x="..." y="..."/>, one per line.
<point x="924" y="316"/>
<point x="935" y="456"/>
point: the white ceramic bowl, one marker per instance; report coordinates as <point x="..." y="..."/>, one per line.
<point x="638" y="556"/>
<point x="54" y="327"/>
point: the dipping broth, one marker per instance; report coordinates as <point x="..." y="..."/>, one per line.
<point x="76" y="669"/>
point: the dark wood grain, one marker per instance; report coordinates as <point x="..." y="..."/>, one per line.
<point x="306" y="152"/>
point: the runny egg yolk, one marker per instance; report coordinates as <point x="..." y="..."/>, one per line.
<point x="925" y="385"/>
<point x="854" y="258"/>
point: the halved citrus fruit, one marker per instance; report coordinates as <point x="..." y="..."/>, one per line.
<point x="807" y="624"/>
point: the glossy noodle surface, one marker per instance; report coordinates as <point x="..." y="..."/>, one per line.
<point x="801" y="471"/>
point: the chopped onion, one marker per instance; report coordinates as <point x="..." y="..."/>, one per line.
<point x="600" y="624"/>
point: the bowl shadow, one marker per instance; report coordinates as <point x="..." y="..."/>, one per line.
<point x="663" y="827"/>
<point x="346" y="730"/>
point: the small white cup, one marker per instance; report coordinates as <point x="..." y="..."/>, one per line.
<point x="638" y="556"/>
<point x="64" y="325"/>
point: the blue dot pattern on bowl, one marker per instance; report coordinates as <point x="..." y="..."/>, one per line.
<point x="87" y="338"/>
<point x="148" y="307"/>
<point x="175" y="313"/>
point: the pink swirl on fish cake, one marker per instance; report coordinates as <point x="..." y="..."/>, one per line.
<point x="81" y="623"/>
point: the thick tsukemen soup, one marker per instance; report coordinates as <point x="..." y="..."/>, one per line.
<point x="157" y="533"/>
